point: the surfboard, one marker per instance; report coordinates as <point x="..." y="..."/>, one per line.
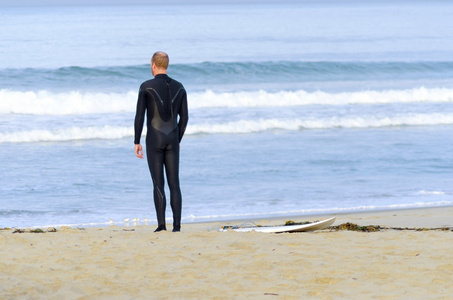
<point x="318" y="225"/>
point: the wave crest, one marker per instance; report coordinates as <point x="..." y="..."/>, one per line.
<point x="78" y="103"/>
<point x="67" y="134"/>
<point x="236" y="127"/>
<point x="213" y="73"/>
<point x="300" y="98"/>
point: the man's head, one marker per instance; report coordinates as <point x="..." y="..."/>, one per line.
<point x="159" y="63"/>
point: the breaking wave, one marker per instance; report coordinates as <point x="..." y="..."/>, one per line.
<point x="78" y="103"/>
<point x="235" y="127"/>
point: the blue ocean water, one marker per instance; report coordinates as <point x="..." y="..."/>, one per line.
<point x="295" y="108"/>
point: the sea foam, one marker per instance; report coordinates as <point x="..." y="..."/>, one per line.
<point x="68" y="103"/>
<point x="235" y="127"/>
<point x="78" y="103"/>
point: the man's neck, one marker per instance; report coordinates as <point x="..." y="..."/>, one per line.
<point x="157" y="71"/>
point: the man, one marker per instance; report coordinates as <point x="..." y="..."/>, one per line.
<point x="163" y="99"/>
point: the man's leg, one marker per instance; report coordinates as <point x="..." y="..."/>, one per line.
<point x="172" y="172"/>
<point x="156" y="165"/>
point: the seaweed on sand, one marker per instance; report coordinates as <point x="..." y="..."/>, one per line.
<point x="374" y="228"/>
<point x="36" y="230"/>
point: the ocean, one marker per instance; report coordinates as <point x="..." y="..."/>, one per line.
<point x="296" y="108"/>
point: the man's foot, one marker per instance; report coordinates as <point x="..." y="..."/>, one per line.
<point x="176" y="229"/>
<point x="160" y="228"/>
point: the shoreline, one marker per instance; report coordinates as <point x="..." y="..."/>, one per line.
<point x="310" y="216"/>
<point x="385" y="214"/>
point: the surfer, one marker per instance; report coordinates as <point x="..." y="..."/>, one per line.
<point x="163" y="99"/>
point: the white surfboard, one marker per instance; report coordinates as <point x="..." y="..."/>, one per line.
<point x="288" y="228"/>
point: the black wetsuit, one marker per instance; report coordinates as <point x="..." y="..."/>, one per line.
<point x="163" y="99"/>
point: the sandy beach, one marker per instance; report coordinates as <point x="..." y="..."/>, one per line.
<point x="201" y="263"/>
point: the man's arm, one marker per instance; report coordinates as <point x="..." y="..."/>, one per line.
<point x="183" y="116"/>
<point x="138" y="124"/>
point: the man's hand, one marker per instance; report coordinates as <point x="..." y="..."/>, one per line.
<point x="138" y="151"/>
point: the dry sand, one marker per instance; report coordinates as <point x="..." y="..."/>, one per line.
<point x="202" y="263"/>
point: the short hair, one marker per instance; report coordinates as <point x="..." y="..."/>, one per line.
<point x="160" y="59"/>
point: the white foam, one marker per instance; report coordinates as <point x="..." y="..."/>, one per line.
<point x="300" y="98"/>
<point x="236" y="127"/>
<point x="68" y="134"/>
<point x="49" y="103"/>
<point x="249" y="126"/>
<point x="427" y="192"/>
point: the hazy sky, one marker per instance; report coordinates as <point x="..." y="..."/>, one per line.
<point x="133" y="2"/>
